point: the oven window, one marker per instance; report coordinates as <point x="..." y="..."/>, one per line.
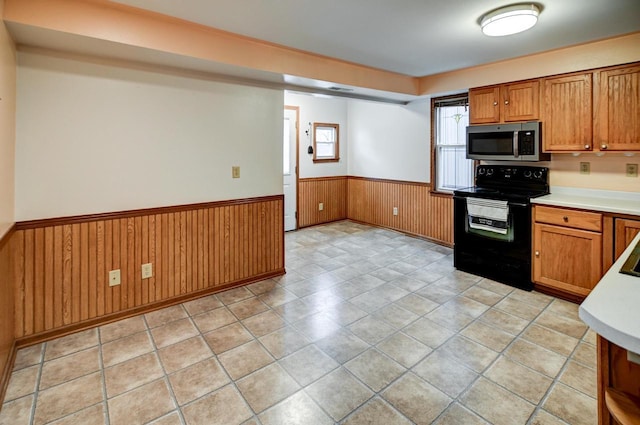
<point x="506" y="237"/>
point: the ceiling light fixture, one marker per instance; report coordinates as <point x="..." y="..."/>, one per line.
<point x="510" y="19"/>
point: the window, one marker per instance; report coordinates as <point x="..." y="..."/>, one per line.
<point x="450" y="169"/>
<point x="325" y="142"/>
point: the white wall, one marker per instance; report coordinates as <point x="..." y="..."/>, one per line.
<point x="7" y="128"/>
<point x="324" y="110"/>
<point x="94" y="136"/>
<point x="390" y="141"/>
<point x="377" y="140"/>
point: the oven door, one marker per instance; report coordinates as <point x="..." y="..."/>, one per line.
<point x="504" y="257"/>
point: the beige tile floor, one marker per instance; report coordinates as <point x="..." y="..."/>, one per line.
<point x="368" y="326"/>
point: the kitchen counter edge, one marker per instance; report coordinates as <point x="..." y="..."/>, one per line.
<point x="594" y="200"/>
<point x="611" y="309"/>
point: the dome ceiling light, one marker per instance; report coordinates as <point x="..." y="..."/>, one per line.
<point x="510" y="19"/>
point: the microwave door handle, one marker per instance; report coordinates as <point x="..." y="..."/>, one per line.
<point x="515" y="144"/>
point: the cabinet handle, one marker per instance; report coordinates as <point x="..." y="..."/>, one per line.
<point x="506" y="102"/>
<point x="587" y="146"/>
<point x="603" y="146"/>
<point x="537" y="253"/>
<point x="565" y="218"/>
<point x="495" y="103"/>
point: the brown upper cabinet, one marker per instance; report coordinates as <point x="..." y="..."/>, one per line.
<point x="617" y="121"/>
<point x="505" y="103"/>
<point x="567" y="112"/>
<point x="590" y="111"/>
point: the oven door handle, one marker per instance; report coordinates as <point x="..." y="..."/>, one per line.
<point x="515" y="144"/>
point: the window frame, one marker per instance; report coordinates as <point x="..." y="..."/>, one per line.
<point x="336" y="143"/>
<point x="434" y="146"/>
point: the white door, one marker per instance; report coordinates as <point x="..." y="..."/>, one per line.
<point x="289" y="168"/>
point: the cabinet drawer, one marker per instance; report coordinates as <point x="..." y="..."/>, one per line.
<point x="569" y="218"/>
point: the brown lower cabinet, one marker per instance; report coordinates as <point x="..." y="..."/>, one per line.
<point x="626" y="229"/>
<point x="572" y="249"/>
<point x="567" y="250"/>
<point x="618" y="386"/>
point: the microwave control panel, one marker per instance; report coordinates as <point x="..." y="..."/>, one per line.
<point x="526" y="143"/>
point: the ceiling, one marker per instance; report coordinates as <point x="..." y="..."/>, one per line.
<point x="411" y="37"/>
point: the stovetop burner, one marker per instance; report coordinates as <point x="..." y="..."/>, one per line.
<point x="508" y="182"/>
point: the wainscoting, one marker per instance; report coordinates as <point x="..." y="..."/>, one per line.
<point x="420" y="212"/>
<point x="61" y="266"/>
<point x="330" y="191"/>
<point x="371" y="201"/>
<point x="7" y="335"/>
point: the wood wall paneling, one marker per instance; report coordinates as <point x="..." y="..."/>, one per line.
<point x="61" y="270"/>
<point x="61" y="265"/>
<point x="330" y="191"/>
<point x="7" y="328"/>
<point x="420" y="212"/>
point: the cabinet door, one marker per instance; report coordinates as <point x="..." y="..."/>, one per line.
<point x="567" y="113"/>
<point x="484" y="105"/>
<point x="618" y="118"/>
<point x="567" y="259"/>
<point x="521" y="101"/>
<point x="626" y="230"/>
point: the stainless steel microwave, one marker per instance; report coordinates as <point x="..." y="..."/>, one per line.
<point x="506" y="142"/>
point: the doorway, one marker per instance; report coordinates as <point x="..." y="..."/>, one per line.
<point x="290" y="167"/>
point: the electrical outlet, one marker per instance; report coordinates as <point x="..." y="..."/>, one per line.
<point x="320" y="206"/>
<point x="235" y="172"/>
<point x="632" y="170"/>
<point x="585" y="168"/>
<point x="114" y="277"/>
<point x="395" y="210"/>
<point x="147" y="270"/>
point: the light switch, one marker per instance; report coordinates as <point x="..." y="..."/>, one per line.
<point x="235" y="172"/>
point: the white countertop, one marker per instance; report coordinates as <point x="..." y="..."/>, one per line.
<point x="595" y="200"/>
<point x="612" y="309"/>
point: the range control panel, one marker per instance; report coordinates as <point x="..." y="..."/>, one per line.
<point x="516" y="175"/>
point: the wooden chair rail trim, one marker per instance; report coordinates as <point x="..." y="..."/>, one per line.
<point x="623" y="407"/>
<point x="103" y="320"/>
<point x="315" y="179"/>
<point x="60" y="221"/>
<point x="372" y="179"/>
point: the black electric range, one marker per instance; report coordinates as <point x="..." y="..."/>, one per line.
<point x="501" y="253"/>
